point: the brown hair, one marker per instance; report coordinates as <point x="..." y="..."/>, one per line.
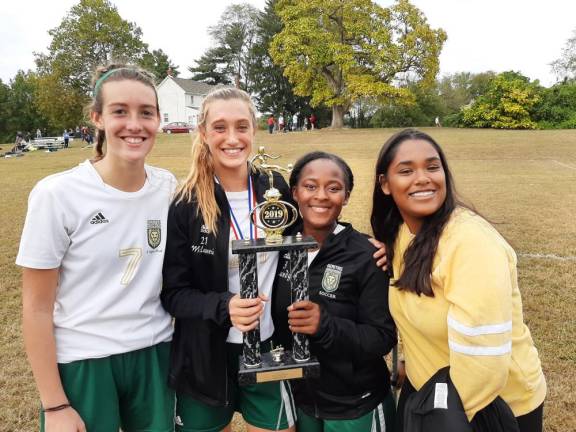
<point x="386" y="218"/>
<point x="199" y="184"/>
<point x="114" y="72"/>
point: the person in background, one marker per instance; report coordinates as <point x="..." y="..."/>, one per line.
<point x="84" y="133"/>
<point x="454" y="294"/>
<point x="18" y="140"/>
<point x="270" y="123"/>
<point x="313" y="121"/>
<point x="89" y="137"/>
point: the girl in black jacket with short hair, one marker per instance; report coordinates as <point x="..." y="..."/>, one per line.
<point x="347" y="316"/>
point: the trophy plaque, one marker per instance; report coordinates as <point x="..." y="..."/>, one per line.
<point x="274" y="216"/>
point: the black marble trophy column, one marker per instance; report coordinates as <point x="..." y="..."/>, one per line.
<point x="262" y="367"/>
<point x="249" y="290"/>
<point x="299" y="287"/>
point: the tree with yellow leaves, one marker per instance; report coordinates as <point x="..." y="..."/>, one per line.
<point x="338" y="51"/>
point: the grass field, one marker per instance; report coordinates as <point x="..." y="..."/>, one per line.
<point x="524" y="182"/>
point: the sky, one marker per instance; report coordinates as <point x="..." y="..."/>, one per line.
<point x="497" y="35"/>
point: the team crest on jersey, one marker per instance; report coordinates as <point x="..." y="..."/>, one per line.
<point x="331" y="278"/>
<point x="154" y="233"/>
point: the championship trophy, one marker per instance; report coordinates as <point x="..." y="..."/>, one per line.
<point x="274" y="216"/>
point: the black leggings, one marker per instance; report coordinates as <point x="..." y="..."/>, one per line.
<point x="531" y="422"/>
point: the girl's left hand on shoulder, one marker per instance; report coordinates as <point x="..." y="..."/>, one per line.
<point x="304" y="317"/>
<point x="380" y="254"/>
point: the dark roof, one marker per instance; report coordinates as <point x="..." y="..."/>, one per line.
<point x="194" y="87"/>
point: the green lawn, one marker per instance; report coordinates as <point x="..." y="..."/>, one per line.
<point x="524" y="182"/>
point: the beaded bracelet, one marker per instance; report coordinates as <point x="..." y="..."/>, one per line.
<point x="56" y="408"/>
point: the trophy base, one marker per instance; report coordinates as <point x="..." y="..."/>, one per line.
<point x="271" y="370"/>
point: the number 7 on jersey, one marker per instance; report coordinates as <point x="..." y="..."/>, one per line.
<point x="135" y="255"/>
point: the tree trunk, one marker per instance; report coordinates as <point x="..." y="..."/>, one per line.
<point x="337" y="117"/>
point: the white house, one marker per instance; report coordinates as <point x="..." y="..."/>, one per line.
<point x="180" y="99"/>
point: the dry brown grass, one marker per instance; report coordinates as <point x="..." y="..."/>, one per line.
<point x="523" y="181"/>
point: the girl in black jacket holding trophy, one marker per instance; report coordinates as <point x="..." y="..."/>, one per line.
<point x="201" y="276"/>
<point x="347" y="317"/>
<point x="201" y="281"/>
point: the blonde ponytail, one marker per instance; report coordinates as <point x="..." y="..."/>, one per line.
<point x="199" y="184"/>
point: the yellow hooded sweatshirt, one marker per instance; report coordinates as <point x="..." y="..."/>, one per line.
<point x="473" y="323"/>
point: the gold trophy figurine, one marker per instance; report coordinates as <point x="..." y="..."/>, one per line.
<point x="274" y="215"/>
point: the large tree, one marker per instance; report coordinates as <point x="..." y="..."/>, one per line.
<point x="213" y="67"/>
<point x="62" y="104"/>
<point x="339" y="51"/>
<point x="460" y="89"/>
<point x="272" y="90"/>
<point x="427" y="106"/>
<point x="509" y="103"/>
<point x="4" y="112"/>
<point x="231" y="56"/>
<point x="565" y="66"/>
<point x="557" y="107"/>
<point x="92" y="33"/>
<point x="159" y="64"/>
<point x="19" y="107"/>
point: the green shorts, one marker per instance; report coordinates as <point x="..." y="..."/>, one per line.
<point x="127" y="391"/>
<point x="380" y="419"/>
<point x="266" y="405"/>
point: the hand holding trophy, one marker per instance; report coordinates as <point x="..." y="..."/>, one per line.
<point x="274" y="216"/>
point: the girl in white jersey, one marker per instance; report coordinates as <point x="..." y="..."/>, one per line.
<point x="92" y="249"/>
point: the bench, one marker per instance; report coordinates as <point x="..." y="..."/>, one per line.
<point x="49" y="143"/>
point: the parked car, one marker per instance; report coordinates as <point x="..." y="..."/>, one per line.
<point x="177" y="127"/>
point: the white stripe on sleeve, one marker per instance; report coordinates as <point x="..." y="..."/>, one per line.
<point x="479" y="330"/>
<point x="477" y="350"/>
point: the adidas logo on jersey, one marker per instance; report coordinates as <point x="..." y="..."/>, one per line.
<point x="98" y="218"/>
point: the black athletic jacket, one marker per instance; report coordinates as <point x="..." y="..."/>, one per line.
<point x="431" y="409"/>
<point x="195" y="292"/>
<point x="356" y="328"/>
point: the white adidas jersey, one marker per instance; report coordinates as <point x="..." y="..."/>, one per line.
<point x="109" y="245"/>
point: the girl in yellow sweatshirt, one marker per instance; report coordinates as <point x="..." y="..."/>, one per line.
<point x="454" y="294"/>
